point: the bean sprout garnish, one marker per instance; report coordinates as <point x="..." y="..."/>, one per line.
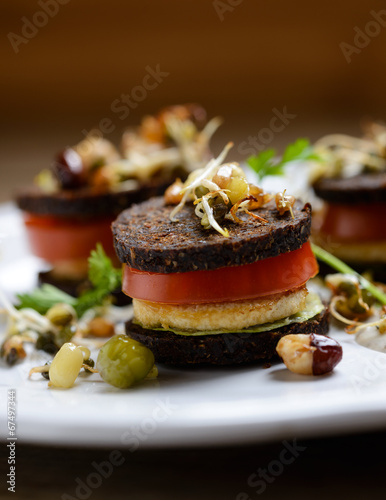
<point x="218" y="192"/>
<point x="351" y="303"/>
<point x="379" y="324"/>
<point x="285" y="203"/>
<point x="347" y="156"/>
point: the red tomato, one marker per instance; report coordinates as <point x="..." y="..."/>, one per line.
<point x="58" y="239"/>
<point x="274" y="275"/>
<point x="360" y="222"/>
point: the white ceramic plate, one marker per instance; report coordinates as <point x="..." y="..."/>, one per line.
<point x="185" y="407"/>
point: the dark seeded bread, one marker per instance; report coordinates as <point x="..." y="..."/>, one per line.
<point x="364" y="188"/>
<point x="226" y="349"/>
<point x="146" y="239"/>
<point x="87" y="201"/>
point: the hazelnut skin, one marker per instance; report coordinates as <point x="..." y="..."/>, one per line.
<point x="309" y="354"/>
<point x="69" y="169"/>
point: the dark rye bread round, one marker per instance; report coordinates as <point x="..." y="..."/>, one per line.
<point x="222" y="349"/>
<point x="85" y="202"/>
<point x="146" y="239"/>
<point x="363" y="188"/>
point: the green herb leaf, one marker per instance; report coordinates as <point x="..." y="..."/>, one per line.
<point x="104" y="278"/>
<point x="44" y="297"/>
<point x="101" y="272"/>
<point x="102" y="275"/>
<point x="264" y="164"/>
<point x="341" y="267"/>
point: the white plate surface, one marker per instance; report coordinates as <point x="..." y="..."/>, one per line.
<point x="185" y="407"/>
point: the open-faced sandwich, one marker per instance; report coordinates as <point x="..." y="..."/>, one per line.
<point x="217" y="269"/>
<point x="71" y="207"/>
<point x="352" y="183"/>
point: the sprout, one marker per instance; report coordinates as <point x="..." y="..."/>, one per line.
<point x="347" y="156"/>
<point x="195" y="180"/>
<point x="284" y="203"/>
<point x="219" y="191"/>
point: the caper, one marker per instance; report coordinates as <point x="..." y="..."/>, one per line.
<point x="123" y="361"/>
<point x="61" y="314"/>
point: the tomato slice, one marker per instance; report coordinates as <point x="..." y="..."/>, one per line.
<point x="57" y="239"/>
<point x="274" y="275"/>
<point x="360" y="222"/>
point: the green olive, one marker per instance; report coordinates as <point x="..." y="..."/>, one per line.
<point x="123" y="361"/>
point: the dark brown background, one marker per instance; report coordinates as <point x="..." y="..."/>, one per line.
<point x="262" y="55"/>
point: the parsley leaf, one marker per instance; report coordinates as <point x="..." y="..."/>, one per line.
<point x="101" y="272"/>
<point x="264" y="163"/>
<point x="104" y="278"/>
<point x="102" y="275"/>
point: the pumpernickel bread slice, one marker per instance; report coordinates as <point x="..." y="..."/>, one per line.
<point x="146" y="239"/>
<point x="221" y="349"/>
<point x="87" y="201"/>
<point x="363" y="188"/>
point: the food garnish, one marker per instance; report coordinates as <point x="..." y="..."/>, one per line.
<point x="219" y="191"/>
<point x="284" y="203"/>
<point x="102" y="275"/>
<point x="173" y="139"/>
<point x="343" y="268"/>
<point x="347" y="156"/>
<point x="66" y="365"/>
<point x="354" y="298"/>
<point x="266" y="163"/>
<point x="380" y="325"/>
<point x="123" y="362"/>
<point x="48" y="317"/>
<point x="309" y="354"/>
<point x="58" y="323"/>
<point x="350" y="302"/>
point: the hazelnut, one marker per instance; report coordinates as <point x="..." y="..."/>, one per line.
<point x="100" y="327"/>
<point x="309" y="354"/>
<point x="69" y="169"/>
